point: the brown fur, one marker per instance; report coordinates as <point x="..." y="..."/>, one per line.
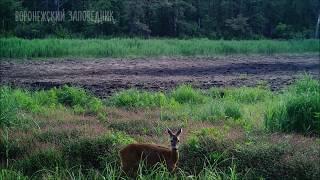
<point x="150" y="154"/>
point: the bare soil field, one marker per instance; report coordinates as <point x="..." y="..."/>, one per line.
<point x="105" y="76"/>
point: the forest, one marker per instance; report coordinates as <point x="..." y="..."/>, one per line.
<point x="213" y="19"/>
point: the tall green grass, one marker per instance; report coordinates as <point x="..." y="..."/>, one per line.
<point x="297" y="109"/>
<point x="15" y="101"/>
<point x="294" y="110"/>
<point x="121" y="47"/>
<point x="219" y="152"/>
<point x="9" y="108"/>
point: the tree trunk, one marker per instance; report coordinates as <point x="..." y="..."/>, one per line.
<point x="317" y="27"/>
<point x="198" y="14"/>
<point x="175" y="19"/>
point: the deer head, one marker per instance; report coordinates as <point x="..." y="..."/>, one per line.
<point x="174" y="138"/>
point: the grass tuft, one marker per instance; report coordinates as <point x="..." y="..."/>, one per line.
<point x="297" y="109"/>
<point x="187" y="94"/>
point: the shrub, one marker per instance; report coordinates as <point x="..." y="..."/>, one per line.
<point x="45" y="159"/>
<point x="72" y="96"/>
<point x="297" y="109"/>
<point x="46" y="98"/>
<point x="96" y="152"/>
<point x="301" y="114"/>
<point x="133" y="98"/>
<point x="232" y="109"/>
<point x="254" y="158"/>
<point x="25" y="101"/>
<point x="204" y="147"/>
<point x="276" y="160"/>
<point x="80" y="100"/>
<point x="263" y="159"/>
<point x="186" y="94"/>
<point x="10" y="149"/>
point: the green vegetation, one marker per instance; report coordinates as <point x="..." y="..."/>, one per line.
<point x="42" y="102"/>
<point x="136" y="99"/>
<point x="216" y="19"/>
<point x="297" y="110"/>
<point x="117" y="47"/>
<point x="44" y="134"/>
<point x="256" y="157"/>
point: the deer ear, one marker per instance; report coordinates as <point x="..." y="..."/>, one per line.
<point x="179" y="132"/>
<point x="169" y="132"/>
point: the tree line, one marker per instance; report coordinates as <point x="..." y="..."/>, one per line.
<point x="214" y="19"/>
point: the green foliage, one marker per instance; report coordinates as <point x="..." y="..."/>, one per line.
<point x="72" y="96"/>
<point x="186" y="94"/>
<point x="11" y="175"/>
<point x="264" y="160"/>
<point x="272" y="161"/>
<point x="211" y="111"/>
<point x="283" y="31"/>
<point x="121" y="47"/>
<point x="218" y="152"/>
<point x="79" y="99"/>
<point x="232" y="109"/>
<point x="247" y="95"/>
<point x="96" y="152"/>
<point x="184" y="103"/>
<point x="208" y="112"/>
<point x="296" y="110"/>
<point x="253" y="158"/>
<point x="306" y="84"/>
<point x="13" y="101"/>
<point x="10" y="149"/>
<point x="133" y="98"/>
<point x="216" y="93"/>
<point x="9" y="108"/>
<point x="204" y="147"/>
<point x="45" y="159"/>
<point x="223" y="19"/>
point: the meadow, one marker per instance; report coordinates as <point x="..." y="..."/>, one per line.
<point x="125" y="47"/>
<point x="228" y="133"/>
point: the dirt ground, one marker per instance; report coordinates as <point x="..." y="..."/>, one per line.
<point x="105" y="76"/>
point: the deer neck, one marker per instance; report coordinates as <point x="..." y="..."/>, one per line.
<point x="174" y="155"/>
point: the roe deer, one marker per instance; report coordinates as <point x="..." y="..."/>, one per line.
<point x="151" y="154"/>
